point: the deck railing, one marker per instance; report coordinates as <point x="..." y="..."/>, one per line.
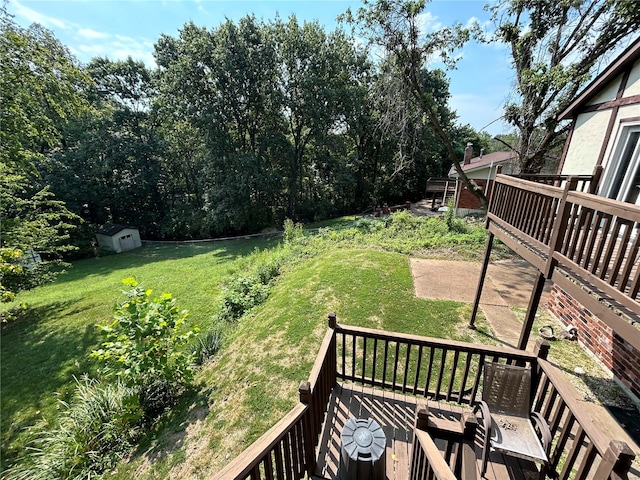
<point x="434" y="369"/>
<point x="585" y="183"/>
<point x="578" y="446"/>
<point x="601" y="241"/>
<point x="577" y="239"/>
<point x="427" y="463"/>
<point x="278" y="454"/>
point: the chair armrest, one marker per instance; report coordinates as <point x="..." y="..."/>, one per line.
<point x="487" y="425"/>
<point x="543" y="427"/>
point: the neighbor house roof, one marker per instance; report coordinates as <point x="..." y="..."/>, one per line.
<point x="478" y="163"/>
<point x="111" y="229"/>
<point x="626" y="58"/>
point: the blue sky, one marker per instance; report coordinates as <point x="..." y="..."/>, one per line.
<point x="119" y="28"/>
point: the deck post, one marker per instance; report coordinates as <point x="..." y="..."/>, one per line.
<point x="305" y="398"/>
<point x="332" y="320"/>
<point x="616" y="462"/>
<point x="422" y="418"/>
<point x="483" y="274"/>
<point x="534" y="301"/>
<point x="559" y="227"/>
<point x="542" y="348"/>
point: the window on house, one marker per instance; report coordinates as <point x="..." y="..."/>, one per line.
<point x="622" y="174"/>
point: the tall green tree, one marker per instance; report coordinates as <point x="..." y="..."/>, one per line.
<point x="39" y="86"/>
<point x="320" y="72"/>
<point x="556" y="46"/>
<point x="222" y="83"/>
<point x="394" y="26"/>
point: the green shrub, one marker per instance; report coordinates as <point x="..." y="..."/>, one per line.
<point x="147" y="345"/>
<point x="454" y="224"/>
<point x="292" y="231"/>
<point x="15" y="314"/>
<point x="95" y="430"/>
<point x="241" y="295"/>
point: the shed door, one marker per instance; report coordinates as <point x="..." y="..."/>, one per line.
<point x="126" y="243"/>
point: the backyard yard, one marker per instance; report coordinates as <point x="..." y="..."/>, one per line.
<point x="360" y="272"/>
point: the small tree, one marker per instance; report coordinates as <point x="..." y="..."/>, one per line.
<point x="147" y="346"/>
<point x="394" y="26"/>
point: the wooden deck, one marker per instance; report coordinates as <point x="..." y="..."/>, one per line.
<point x="396" y="413"/>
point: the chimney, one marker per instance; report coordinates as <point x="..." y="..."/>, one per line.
<point x="467" y="153"/>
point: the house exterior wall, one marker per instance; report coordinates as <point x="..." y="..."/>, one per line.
<point x="587" y="138"/>
<point x="598" y="124"/>
<point x="633" y="84"/>
<point x="608" y="93"/>
<point x="618" y="356"/>
<point x="591" y="130"/>
<point x="467" y="202"/>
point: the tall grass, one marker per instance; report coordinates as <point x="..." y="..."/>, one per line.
<point x="94" y="431"/>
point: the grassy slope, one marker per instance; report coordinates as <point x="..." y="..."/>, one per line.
<point x="40" y="355"/>
<point x="256" y="379"/>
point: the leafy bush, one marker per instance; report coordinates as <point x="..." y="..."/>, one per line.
<point x="454" y="223"/>
<point x="95" y="430"/>
<point x="252" y="286"/>
<point x="14" y="314"/>
<point x="241" y="295"/>
<point x="147" y="345"/>
<point x="292" y="231"/>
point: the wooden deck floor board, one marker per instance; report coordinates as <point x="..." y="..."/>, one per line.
<point x="395" y="412"/>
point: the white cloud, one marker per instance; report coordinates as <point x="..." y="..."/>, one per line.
<point x="91" y="34"/>
<point x="117" y="47"/>
<point x="428" y="22"/>
<point x="36" y="17"/>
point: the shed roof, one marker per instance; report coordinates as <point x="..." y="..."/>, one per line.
<point x="111" y="229"/>
<point x="615" y="68"/>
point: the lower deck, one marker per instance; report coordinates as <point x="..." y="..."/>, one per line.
<point x="396" y="414"/>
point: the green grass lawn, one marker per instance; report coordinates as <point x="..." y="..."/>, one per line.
<point x="255" y="381"/>
<point x="41" y="354"/>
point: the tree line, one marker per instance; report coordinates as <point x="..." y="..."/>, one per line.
<point x="238" y="128"/>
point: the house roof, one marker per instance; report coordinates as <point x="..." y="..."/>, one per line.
<point x="477" y="163"/>
<point x="628" y="57"/>
<point x="111" y="229"/>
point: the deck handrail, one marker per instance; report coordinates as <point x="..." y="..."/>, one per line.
<point x="577" y="239"/>
<point x="277" y="447"/>
<point x="586" y="183"/>
<point x="578" y="443"/>
<point x="427" y="461"/>
<point x="431" y="367"/>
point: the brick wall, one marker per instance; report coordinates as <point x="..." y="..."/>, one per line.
<point x="621" y="358"/>
<point x="466" y="199"/>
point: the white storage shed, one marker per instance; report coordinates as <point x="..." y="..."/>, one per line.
<point x="118" y="238"/>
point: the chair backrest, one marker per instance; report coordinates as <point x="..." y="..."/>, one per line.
<point x="507" y="388"/>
